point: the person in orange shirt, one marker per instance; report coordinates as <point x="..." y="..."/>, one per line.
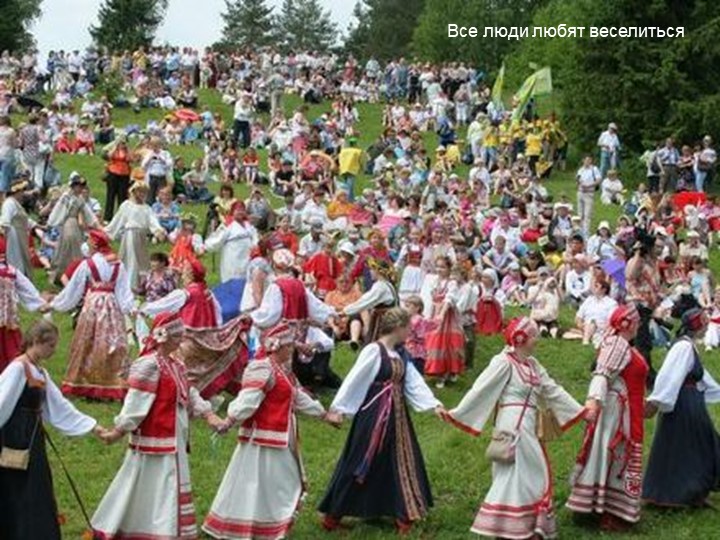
<point x="117" y="176"/>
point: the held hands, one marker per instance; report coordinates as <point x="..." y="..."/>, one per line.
<point x="217" y="424"/>
<point x="335" y="419"/>
<point x="441" y="412"/>
<point x="111" y="436"/>
<point x="592" y="409"/>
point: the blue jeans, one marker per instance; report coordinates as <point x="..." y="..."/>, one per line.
<point x="700" y="177"/>
<point x="7" y="173"/>
<point x="346" y="182"/>
<point x="608" y="160"/>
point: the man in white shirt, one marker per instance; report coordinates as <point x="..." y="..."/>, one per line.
<point x="588" y="179"/>
<point x="593" y="316"/>
<point x="75" y="65"/>
<point x="158" y="165"/>
<point x="313" y="242"/>
<point x="243" y="117"/>
<point x="609" y="145"/>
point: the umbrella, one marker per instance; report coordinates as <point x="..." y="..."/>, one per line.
<point x="615" y="268"/>
<point x="187" y="115"/>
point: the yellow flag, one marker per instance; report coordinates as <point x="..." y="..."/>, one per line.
<point x="537" y="84"/>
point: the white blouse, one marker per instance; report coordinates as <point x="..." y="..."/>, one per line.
<point x="56" y="409"/>
<point x="270" y="310"/>
<point x="174" y="302"/>
<point x="355" y="387"/>
<point x="671" y="377"/>
<point x="380" y="294"/>
<point x="74" y="291"/>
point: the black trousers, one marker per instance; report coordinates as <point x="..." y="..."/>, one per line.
<point x="116" y="192"/>
<point x="156" y="184"/>
<point x="241" y="133"/>
<point x="643" y="340"/>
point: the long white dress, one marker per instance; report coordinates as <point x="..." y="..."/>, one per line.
<point x="234" y="241"/>
<point x="519" y="503"/>
<point x="131" y="225"/>
<point x="263" y="486"/>
<point x="151" y="495"/>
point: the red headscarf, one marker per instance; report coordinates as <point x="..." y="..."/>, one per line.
<point x="165" y="324"/>
<point x="520" y="330"/>
<point x="623" y="317"/>
<point x="100" y="241"/>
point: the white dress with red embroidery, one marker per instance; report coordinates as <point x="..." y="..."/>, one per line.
<point x="264" y="483"/>
<point x="519" y="503"/>
<point x="608" y="472"/>
<point x="151" y="495"/>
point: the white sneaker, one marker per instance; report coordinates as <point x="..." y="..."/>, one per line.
<point x="440" y="384"/>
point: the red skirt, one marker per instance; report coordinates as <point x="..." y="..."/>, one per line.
<point x="445" y="347"/>
<point x="489" y="317"/>
<point x="10" y="343"/>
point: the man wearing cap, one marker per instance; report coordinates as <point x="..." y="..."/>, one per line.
<point x="609" y="145"/>
<point x="350" y="164"/>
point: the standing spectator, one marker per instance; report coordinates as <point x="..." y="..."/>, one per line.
<point x="609" y="145"/>
<point x="588" y="179"/>
<point x="157" y="165"/>
<point x="244" y="113"/>
<point x="668" y="156"/>
<point x="30" y="137"/>
<point x="704" y="164"/>
<point x="7" y="153"/>
<point x="350" y="162"/>
<point x="117" y="177"/>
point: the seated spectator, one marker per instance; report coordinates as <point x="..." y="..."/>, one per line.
<point x="544" y="300"/>
<point x="577" y="281"/>
<point x="611" y="189"/>
<point x="592" y="318"/>
<point x="167" y="210"/>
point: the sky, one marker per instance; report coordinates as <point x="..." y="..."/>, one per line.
<point x="64" y="23"/>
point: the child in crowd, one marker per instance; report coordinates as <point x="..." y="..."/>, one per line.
<point x="489" y="314"/>
<point x="251" y="166"/>
<point x="544" y="299"/>
<point x="225" y="201"/>
<point x="712" y="335"/>
<point x="419" y="326"/>
<point x="187" y="244"/>
<point x="700" y="281"/>
<point x="512" y="286"/>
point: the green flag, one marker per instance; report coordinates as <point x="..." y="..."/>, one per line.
<point x="498" y="87"/>
<point x="537" y="84"/>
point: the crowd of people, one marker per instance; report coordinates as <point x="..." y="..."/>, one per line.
<point x="412" y="271"/>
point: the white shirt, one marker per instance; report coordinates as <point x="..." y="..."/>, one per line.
<point x="608" y="141"/>
<point x="234" y="241"/>
<point x="355" y="387"/>
<point x="597" y="310"/>
<point x="587" y="177"/>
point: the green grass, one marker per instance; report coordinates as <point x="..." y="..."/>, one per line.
<point x="459" y="473"/>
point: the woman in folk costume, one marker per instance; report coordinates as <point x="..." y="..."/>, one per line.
<point x="151" y="495"/>
<point x="99" y="349"/>
<point x="15" y="289"/>
<point x="132" y="224"/>
<point x="519" y="504"/>
<point x="259" y="275"/>
<point x="444" y="344"/>
<point x="489" y="314"/>
<point x="287" y="299"/>
<point x="265" y="482"/>
<point x="15" y="225"/>
<point x="65" y="216"/>
<point x="410" y="259"/>
<point x="235" y="241"/>
<point x="684" y="463"/>
<point x="608" y="475"/>
<point x="381" y="472"/>
<point x="371" y="305"/>
<point x="28" y="400"/>
<point x="195" y="303"/>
